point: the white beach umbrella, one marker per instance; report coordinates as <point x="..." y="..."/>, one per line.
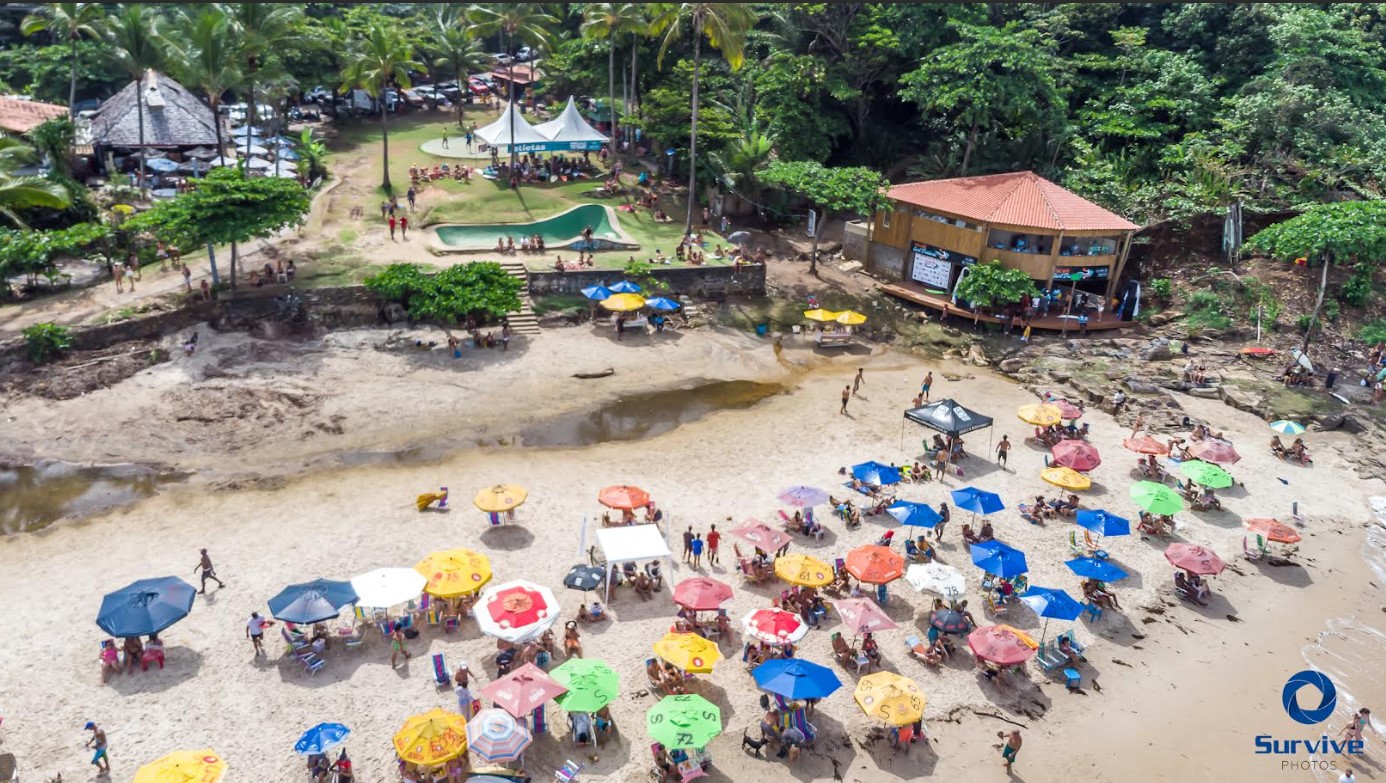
<point x="386" y="587"/>
<point x="246" y="130"/>
<point x="254" y="149"/>
<point x="937" y="578"/>
<point x="222" y="161"/>
<point x="256" y="164"/>
<point x="516" y="611"/>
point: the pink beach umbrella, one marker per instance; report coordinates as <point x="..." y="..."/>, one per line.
<point x="1076" y="454"/>
<point x="761" y="535"/>
<point x="863" y="616"/>
<point x="523" y="691"/>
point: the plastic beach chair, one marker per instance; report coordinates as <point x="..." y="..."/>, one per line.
<point x="441" y="678"/>
<point x="568" y="772"/>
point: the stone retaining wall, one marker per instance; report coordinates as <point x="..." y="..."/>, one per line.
<point x="702" y="281"/>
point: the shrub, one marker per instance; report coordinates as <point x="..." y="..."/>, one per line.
<point x="1206" y="311"/>
<point x="1162" y="287"/>
<point x="1303" y="322"/>
<point x="1373" y="333"/>
<point x="1357" y="290"/>
<point x="1331" y="309"/>
<point x="46" y="341"/>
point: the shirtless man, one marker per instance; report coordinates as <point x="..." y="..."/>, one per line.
<point x="98" y="744"/>
<point x="208" y="572"/>
<point x="1011" y="749"/>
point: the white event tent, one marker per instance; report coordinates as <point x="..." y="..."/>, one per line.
<point x="571" y="130"/>
<point x="631" y="543"/>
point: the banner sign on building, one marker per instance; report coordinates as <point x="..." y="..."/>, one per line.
<point x="933" y="266"/>
<point x="1084" y="272"/>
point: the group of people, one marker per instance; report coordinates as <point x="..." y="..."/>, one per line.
<point x="1296" y="451"/>
<point x="134" y="652"/>
<point x="422" y="175"/>
<point x="532" y="243"/>
<point x="279" y="272"/>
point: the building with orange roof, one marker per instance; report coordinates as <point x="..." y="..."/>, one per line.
<point x="20" y="116"/>
<point x="932" y="231"/>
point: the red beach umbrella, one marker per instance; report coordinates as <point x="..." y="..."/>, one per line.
<point x="774" y="626"/>
<point x="1001" y="645"/>
<point x="1067" y="409"/>
<point x="1145" y="444"/>
<point x="1194" y="559"/>
<point x="1076" y="454"/>
<point x="701" y="594"/>
<point x="623" y="497"/>
<point x="1219" y="451"/>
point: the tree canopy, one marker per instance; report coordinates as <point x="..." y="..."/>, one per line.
<point x="226" y="207"/>
<point x="836" y="189"/>
<point x="1341" y="231"/>
<point x="992" y="285"/>
<point x="482" y="290"/>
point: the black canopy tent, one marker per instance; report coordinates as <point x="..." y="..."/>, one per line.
<point x="948" y="417"/>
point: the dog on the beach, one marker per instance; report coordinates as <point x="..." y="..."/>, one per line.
<point x="754" y="744"/>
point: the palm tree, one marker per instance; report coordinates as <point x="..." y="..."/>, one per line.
<point x="459" y="54"/>
<point x="258" y="28"/>
<point x="726" y="26"/>
<point x="607" y="20"/>
<point x="743" y="157"/>
<point x="514" y="23"/>
<point x="383" y="60"/>
<point x="72" y="21"/>
<point x="133" y="43"/>
<point x="201" y="54"/>
<point x="25" y="192"/>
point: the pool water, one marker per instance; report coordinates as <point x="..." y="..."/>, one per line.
<point x="558" y="231"/>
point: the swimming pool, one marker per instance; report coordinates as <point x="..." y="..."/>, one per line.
<point x="561" y="230"/>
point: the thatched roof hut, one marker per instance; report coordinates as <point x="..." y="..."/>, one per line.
<point x="173" y="117"/>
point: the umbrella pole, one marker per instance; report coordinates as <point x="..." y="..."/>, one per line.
<point x="1044" y="633"/>
<point x="902" y="436"/>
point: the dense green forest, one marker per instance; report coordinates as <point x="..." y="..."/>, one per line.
<point x="1157" y="110"/>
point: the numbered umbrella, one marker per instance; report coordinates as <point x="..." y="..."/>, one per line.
<point x="803" y="570"/>
<point x="180" y="766"/>
<point x="761" y="535"/>
<point x="591" y="684"/>
<point x="774" y="626"/>
<point x="433" y="738"/>
<point x="1002" y="645"/>
<point x="890" y="697"/>
<point x="684" y="721"/>
<point x="701" y="594"/>
<point x="1077" y="454"/>
<point x="944" y="580"/>
<point x="1194" y="559"/>
<point x="1067" y="478"/>
<point x="688" y="651"/>
<point x="1068" y="410"/>
<point x="454" y="572"/>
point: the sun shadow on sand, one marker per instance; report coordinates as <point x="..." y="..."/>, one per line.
<point x="507" y="538"/>
<point x="181" y="664"/>
<point x="635" y="337"/>
<point x="1285" y="572"/>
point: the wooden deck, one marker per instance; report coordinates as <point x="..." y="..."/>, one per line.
<point x="959" y="317"/>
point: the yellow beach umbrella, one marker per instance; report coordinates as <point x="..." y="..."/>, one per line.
<point x="454" y="572"/>
<point x="850" y="318"/>
<point x="895" y="699"/>
<point x="1040" y="415"/>
<point x="501" y="497"/>
<point x="435" y="737"/>
<point x="1068" y="478"/>
<point x="803" y="570"/>
<point x="184" y="766"/>
<point x="688" y="651"/>
<point x="623" y="303"/>
<point x="820" y="314"/>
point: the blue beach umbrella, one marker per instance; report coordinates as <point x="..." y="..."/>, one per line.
<point x="321" y="738"/>
<point x="978" y="501"/>
<point x="597" y="293"/>
<point x="312" y="602"/>
<point x="1092" y="568"/>
<point x="625" y="287"/>
<point x="145" y="607"/>
<point x="1286" y="427"/>
<point x="161" y="165"/>
<point x="876" y="473"/>
<point x="796" y="678"/>
<point x="1052" y="604"/>
<point x="997" y="558"/>
<point x="913" y="514"/>
<point x="1104" y="523"/>
<point x="662" y="303"/>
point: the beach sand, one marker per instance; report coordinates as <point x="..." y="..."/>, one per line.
<point x="1182" y="701"/>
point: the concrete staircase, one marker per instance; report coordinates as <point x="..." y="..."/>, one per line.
<point x="525" y="321"/>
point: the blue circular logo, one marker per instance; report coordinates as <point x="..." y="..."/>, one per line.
<point x="1328" y="697"/>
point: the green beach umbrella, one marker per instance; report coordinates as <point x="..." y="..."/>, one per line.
<point x="1156" y="498"/>
<point x="591" y="684"/>
<point x="1206" y="474"/>
<point x="1285" y="427"/>
<point x="685" y="721"/>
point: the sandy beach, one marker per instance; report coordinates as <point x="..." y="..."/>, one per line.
<point x="304" y="459"/>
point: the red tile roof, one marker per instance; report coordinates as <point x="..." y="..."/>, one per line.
<point x="1021" y="198"/>
<point x="18" y="116"/>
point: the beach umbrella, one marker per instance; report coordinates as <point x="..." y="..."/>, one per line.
<point x="201" y="153"/>
<point x="254" y="150"/>
<point x="774" y="626"/>
<point x="1040" y="414"/>
<point x="1272" y="530"/>
<point x="874" y="472"/>
<point x="1077" y="454"/>
<point x="222" y="160"/>
<point x="321" y="738"/>
<point x="803" y="497"/>
<point x="246" y="130"/>
<point x="1002" y="645"/>
<point x="821" y="315"/>
<point x="977" y="501"/>
<point x="1145" y="445"/>
<point x="386" y="587"/>
<point x="739" y="237"/>
<point x="584" y="577"/>
<point x="684" y="721"/>
<point x="795" y="678"/>
<point x="516" y="611"/>
<point x="494" y="737"/>
<point x="1285" y="427"/>
<point x="1052" y="604"/>
<point x="501" y="497"/>
<point x="663" y="304"/>
<point x="949" y="621"/>
<point x="596" y="293"/>
<point x="285" y="154"/>
<point x="850" y="318"/>
<point x="1067" y="409"/>
<point x="431" y="739"/>
<point x="522" y="691"/>
<point x="1067" y="478"/>
<point x="145" y="607"/>
<point x="1103" y="523"/>
<point x="914" y="514"/>
<point x="1092" y="568"/>
<point x="890" y="697"/>
<point x="312" y="602"/>
<point x="591" y="684"/>
<point x="701" y="594"/>
<point x="258" y="164"/>
<point x="997" y="558"/>
<point x="625" y="287"/>
<point x="937" y="578"/>
<point x="1194" y="559"/>
<point x="876" y="565"/>
<point x="863" y="616"/>
<point x="1206" y="474"/>
<point x="689" y="652"/>
<point x="803" y="570"/>
<point x="454" y="572"/>
<point x="162" y="165"/>
<point x="623" y="497"/>
<point x="1219" y="451"/>
<point x="1156" y="498"/>
<point x="761" y="535"/>
<point x="183" y="766"/>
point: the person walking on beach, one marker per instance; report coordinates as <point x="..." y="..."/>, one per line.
<point x="928" y="382"/>
<point x="858" y="381"/>
<point x="1011" y="749"/>
<point x="255" y="631"/>
<point x="713" y="539"/>
<point x="404" y="227"/>
<point x="697" y="550"/>
<point x="97" y="743"/>
<point x="187" y="278"/>
<point x="944" y="515"/>
<point x="688" y="537"/>
<point x="397" y="644"/>
<point x="392" y="228"/>
<point x="1002" y="449"/>
<point x="411" y="195"/>
<point x="205" y="564"/>
<point x="846" y="396"/>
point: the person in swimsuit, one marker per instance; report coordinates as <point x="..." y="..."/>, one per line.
<point x="205" y="564"/>
<point x="98" y="743"/>
<point x="1011" y="749"/>
<point x="397" y="644"/>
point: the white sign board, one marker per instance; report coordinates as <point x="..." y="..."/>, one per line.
<point x="932" y="272"/>
<point x="813" y="222"/>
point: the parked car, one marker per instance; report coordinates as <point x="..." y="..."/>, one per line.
<point x="526" y="54"/>
<point x="412" y="98"/>
<point x="478" y="87"/>
<point x="502" y="58"/>
<point x="448" y="90"/>
<point x="318" y="94"/>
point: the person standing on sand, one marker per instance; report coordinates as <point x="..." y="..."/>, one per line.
<point x="205" y="565"/>
<point x="392" y="228"/>
<point x="688" y="537"/>
<point x="944" y="516"/>
<point x="858" y="381"/>
<point x="713" y="539"/>
<point x="927" y="384"/>
<point x="1011" y="749"/>
<point x="846" y="397"/>
<point x="187" y="278"/>
<point x="411" y="195"/>
<point x="397" y="644"/>
<point x="255" y="631"/>
<point x="1002" y="449"/>
<point x="404" y="227"/>
<point x="97" y="743"/>
<point x="697" y="550"/>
